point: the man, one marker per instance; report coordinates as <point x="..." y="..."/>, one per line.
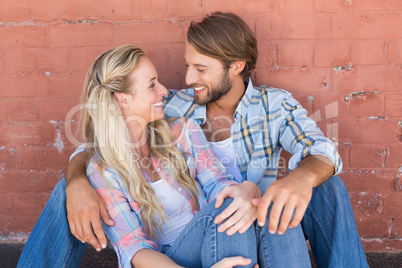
<point x="247" y="127"/>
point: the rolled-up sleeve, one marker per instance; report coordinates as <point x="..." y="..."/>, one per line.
<point x="127" y="235"/>
<point x="300" y="135"/>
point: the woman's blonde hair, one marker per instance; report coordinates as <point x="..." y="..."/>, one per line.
<point x="104" y="128"/>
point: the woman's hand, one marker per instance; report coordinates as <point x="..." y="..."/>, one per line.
<point x="85" y="209"/>
<point x="233" y="261"/>
<point x="244" y="213"/>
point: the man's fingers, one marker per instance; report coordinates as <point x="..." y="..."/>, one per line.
<point x="227" y="212"/>
<point x="104" y="215"/>
<point x="73" y="230"/>
<point x="98" y="230"/>
<point x="263" y="205"/>
<point x="286" y="216"/>
<point x="220" y="197"/>
<point x="275" y="214"/>
<point x="89" y="235"/>
<point x="299" y="214"/>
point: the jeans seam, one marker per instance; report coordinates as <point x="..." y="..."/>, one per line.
<point x="320" y="229"/>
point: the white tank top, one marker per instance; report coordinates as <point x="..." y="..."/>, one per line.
<point x="224" y="151"/>
<point x="177" y="209"/>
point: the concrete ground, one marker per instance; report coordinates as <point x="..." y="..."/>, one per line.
<point x="9" y="254"/>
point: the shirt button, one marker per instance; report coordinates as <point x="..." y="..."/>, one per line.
<point x="158" y="170"/>
<point x="179" y="189"/>
<point x="195" y="212"/>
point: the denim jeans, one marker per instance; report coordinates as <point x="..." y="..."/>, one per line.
<point x="329" y="225"/>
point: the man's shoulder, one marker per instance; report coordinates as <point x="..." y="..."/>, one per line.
<point x="179" y="102"/>
<point x="269" y="97"/>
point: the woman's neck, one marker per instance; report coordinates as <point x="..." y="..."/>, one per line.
<point x="139" y="138"/>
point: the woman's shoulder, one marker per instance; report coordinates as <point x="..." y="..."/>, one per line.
<point x="99" y="174"/>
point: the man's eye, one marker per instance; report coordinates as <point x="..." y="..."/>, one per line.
<point x="201" y="70"/>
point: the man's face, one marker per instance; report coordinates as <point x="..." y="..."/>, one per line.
<point x="206" y="75"/>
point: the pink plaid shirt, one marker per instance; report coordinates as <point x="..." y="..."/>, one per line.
<point x="127" y="235"/>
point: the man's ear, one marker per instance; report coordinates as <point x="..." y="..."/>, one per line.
<point x="121" y="100"/>
<point x="238" y="67"/>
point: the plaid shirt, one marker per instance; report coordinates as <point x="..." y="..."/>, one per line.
<point x="266" y="120"/>
<point x="127" y="235"/>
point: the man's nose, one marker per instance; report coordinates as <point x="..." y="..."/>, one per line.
<point x="191" y="76"/>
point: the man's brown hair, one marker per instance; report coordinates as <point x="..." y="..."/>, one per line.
<point x="225" y="37"/>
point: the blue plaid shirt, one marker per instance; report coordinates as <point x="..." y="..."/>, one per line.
<point x="267" y="120"/>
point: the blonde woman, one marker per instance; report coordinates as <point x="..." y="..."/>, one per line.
<point x="154" y="176"/>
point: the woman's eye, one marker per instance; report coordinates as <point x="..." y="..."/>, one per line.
<point x="152" y="85"/>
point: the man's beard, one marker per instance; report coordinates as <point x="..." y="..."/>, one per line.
<point x="216" y="92"/>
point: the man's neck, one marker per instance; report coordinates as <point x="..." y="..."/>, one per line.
<point x="228" y="103"/>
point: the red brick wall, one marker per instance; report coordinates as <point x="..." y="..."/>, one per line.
<point x="342" y="59"/>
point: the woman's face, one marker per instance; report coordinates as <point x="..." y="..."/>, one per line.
<point x="146" y="101"/>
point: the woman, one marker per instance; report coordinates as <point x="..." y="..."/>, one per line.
<point x="154" y="176"/>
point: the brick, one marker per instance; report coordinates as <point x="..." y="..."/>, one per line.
<point x="297" y="53"/>
<point x="267" y="54"/>
<point x="13" y="11"/>
<point x="150" y="9"/>
<point x="83" y="57"/>
<point x="332" y="54"/>
<point x="382" y="78"/>
<point x="80" y="9"/>
<point x="395" y="52"/>
<point x="6" y="203"/>
<point x="344" y="152"/>
<point x="368" y="131"/>
<point x="367" y="155"/>
<point x="67" y="84"/>
<point x="80" y="34"/>
<point x="21" y="223"/>
<point x="116" y="10"/>
<point x="159" y="56"/>
<point x="27" y="85"/>
<point x="28" y="203"/>
<point x="382" y="245"/>
<point x="54" y="109"/>
<point x="294" y="26"/>
<point x="368" y="208"/>
<point x="394" y="157"/>
<point x="366" y="26"/>
<point x="369" y="5"/>
<point x="360" y="181"/>
<point x="52" y="60"/>
<point x="40" y="10"/>
<point x="365" y="105"/>
<point x="22" y="36"/>
<point x="242" y="7"/>
<point x="289" y="6"/>
<point x="32" y="159"/>
<point x="172" y="80"/>
<point x="2" y="110"/>
<point x="393" y="105"/>
<point x="149" y="33"/>
<point x="56" y="160"/>
<point x="175" y="58"/>
<point x="331" y="6"/>
<point x="368" y="52"/>
<point x="184" y="9"/>
<point x="396" y="4"/>
<point x="289" y="79"/>
<point x="19" y="134"/>
<point x="19" y="60"/>
<point x="23" y="109"/>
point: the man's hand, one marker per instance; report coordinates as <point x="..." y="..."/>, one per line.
<point x="292" y="193"/>
<point x="85" y="208"/>
<point x="244" y="213"/>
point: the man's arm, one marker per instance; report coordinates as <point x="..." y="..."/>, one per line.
<point x="292" y="193"/>
<point x="84" y="206"/>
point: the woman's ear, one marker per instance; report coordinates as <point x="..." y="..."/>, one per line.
<point x="121" y="100"/>
<point x="237" y="67"/>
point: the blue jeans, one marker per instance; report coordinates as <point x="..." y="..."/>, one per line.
<point x="329" y="225"/>
<point x="201" y="245"/>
